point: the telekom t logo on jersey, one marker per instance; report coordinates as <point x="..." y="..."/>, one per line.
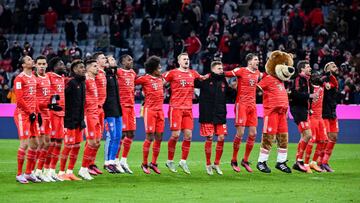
<point x="155" y="86"/>
<point x="45" y="91"/>
<point x="59" y="88"/>
<point x="31" y="90"/>
<point x="127" y="81"/>
<point x="252" y="82"/>
<point x="183" y="83"/>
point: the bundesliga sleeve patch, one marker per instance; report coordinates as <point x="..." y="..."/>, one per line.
<point x="18" y="85"/>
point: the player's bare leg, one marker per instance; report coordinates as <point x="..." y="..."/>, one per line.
<point x="249" y="146"/>
<point x="156" y="150"/>
<point x="219" y="151"/>
<point x="129" y="136"/>
<point x="305" y="138"/>
<point x="332" y="139"/>
<point x="185" y="148"/>
<point x="171" y="150"/>
<point x="146" y="148"/>
<point x="208" y="149"/>
<point x="236" y="146"/>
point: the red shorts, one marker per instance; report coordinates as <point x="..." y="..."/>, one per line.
<point x="101" y="119"/>
<point x="57" y="127"/>
<point x="45" y="128"/>
<point x="92" y="130"/>
<point x="245" y="115"/>
<point x="318" y="129"/>
<point x="304" y="125"/>
<point x="25" y="128"/>
<point x="73" y="136"/>
<point x="332" y="125"/>
<point x="275" y="123"/>
<point x="207" y="129"/>
<point x="153" y="120"/>
<point x="128" y="118"/>
<point x="180" y="119"/>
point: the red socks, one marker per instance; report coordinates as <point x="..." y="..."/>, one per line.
<point x="219" y="151"/>
<point x="185" y="149"/>
<point x="318" y="150"/>
<point x="20" y="159"/>
<point x="64" y="156"/>
<point x="42" y="158"/>
<point x="146" y="149"/>
<point x="308" y="151"/>
<point x="30" y="161"/>
<point x="328" y="151"/>
<point x="249" y="146"/>
<point x="49" y="154"/>
<point x="55" y="155"/>
<point x="88" y="156"/>
<point x="156" y="151"/>
<point x="127" y="145"/>
<point x="171" y="147"/>
<point x="208" y="146"/>
<point x="73" y="156"/>
<point x="301" y="149"/>
<point x="236" y="147"/>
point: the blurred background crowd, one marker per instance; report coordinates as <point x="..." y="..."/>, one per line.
<point x="317" y="30"/>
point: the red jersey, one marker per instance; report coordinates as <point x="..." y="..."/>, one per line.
<point x="91" y="97"/>
<point x="153" y="90"/>
<point x="275" y="95"/>
<point x="126" y="81"/>
<point x="317" y="104"/>
<point x="100" y="80"/>
<point x="43" y="95"/>
<point x="57" y="84"/>
<point x="25" y="91"/>
<point x="182" y="87"/>
<point x="246" y="84"/>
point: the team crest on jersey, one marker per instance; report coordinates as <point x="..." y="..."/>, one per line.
<point x="18" y="85"/>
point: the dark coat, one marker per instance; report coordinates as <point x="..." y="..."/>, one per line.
<point x="299" y="98"/>
<point x="112" y="106"/>
<point x="74" y="103"/>
<point x="212" y="100"/>
<point x="330" y="98"/>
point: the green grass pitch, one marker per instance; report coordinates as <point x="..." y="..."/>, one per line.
<point x="341" y="186"/>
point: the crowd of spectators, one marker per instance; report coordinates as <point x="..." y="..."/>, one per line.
<point x="319" y="31"/>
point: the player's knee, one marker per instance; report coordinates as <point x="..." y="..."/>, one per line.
<point x="221" y="138"/>
<point x="209" y="138"/>
<point x="158" y="137"/>
<point x="333" y="137"/>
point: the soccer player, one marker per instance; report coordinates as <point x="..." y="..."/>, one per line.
<point x="74" y="119"/>
<point x="43" y="95"/>
<point x="101" y="86"/>
<point x="180" y="111"/>
<point x="299" y="100"/>
<point x="318" y="129"/>
<point x="212" y="108"/>
<point x="113" y="121"/>
<point x="329" y="111"/>
<point x="92" y="131"/>
<point x="126" y="80"/>
<point x="245" y="108"/>
<point x="57" y="84"/>
<point x="152" y="84"/>
<point x="25" y="119"/>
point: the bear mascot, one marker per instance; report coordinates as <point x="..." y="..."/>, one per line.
<point x="279" y="68"/>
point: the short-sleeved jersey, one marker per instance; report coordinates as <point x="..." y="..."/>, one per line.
<point x="246" y="84"/>
<point x="43" y="95"/>
<point x="274" y="94"/>
<point x="317" y="104"/>
<point x="57" y="84"/>
<point x="91" y="97"/>
<point x="100" y="80"/>
<point x="25" y="91"/>
<point x="126" y="81"/>
<point x="182" y="87"/>
<point x="153" y="90"/>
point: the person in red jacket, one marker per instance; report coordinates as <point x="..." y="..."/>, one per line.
<point x="50" y="19"/>
<point x="193" y="46"/>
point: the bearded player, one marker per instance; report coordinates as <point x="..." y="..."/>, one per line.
<point x="245" y="108"/>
